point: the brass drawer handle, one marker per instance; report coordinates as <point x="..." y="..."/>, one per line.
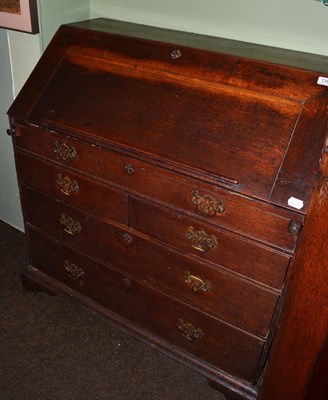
<point x="67" y="186"/>
<point x="197" y="283"/>
<point x="70" y="226"/>
<point x="200" y="240"/>
<point x="73" y="271"/>
<point x="189" y="331"/>
<point x="206" y="205"/>
<point x="64" y="152"/>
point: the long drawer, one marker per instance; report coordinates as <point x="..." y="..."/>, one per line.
<point x="209" y="243"/>
<point x="217" y="343"/>
<point x="213" y="290"/>
<point x="210" y="202"/>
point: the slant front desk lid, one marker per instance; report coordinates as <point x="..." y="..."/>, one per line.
<point x="190" y="102"/>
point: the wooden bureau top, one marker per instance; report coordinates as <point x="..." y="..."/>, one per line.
<point x="219" y="110"/>
<point x="275" y="55"/>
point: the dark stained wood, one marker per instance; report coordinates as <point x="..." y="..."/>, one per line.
<point x="150" y="308"/>
<point x="199" y="69"/>
<point x="274" y="55"/>
<point x="251" y="308"/>
<point x="209" y="66"/>
<point x="104" y="201"/>
<point x="304" y="325"/>
<point x="241" y="214"/>
<point x="133" y="146"/>
<point x="318" y="387"/>
<point x="293" y="180"/>
<point x="256" y="166"/>
<point x="254" y="162"/>
<point x="244" y="257"/>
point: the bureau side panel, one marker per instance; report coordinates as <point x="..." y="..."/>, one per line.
<point x="304" y="323"/>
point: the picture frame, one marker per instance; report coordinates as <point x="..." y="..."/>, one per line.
<point x="19" y="15"/>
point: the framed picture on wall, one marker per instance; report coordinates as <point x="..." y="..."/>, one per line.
<point x="19" y="15"/>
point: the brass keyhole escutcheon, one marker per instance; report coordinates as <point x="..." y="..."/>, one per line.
<point x="127" y="238"/>
<point x="128" y="168"/>
<point x="175" y="53"/>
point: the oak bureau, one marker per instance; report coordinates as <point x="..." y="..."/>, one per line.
<point x="178" y="184"/>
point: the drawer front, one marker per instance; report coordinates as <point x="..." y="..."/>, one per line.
<point x="213" y="290"/>
<point x="73" y="188"/>
<point x="209" y="202"/>
<point x="209" y="243"/>
<point x="221" y="345"/>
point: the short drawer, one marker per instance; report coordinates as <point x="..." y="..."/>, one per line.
<point x="213" y="290"/>
<point x="212" y="244"/>
<point x="208" y="202"/>
<point x="72" y="187"/>
<point x="229" y="349"/>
